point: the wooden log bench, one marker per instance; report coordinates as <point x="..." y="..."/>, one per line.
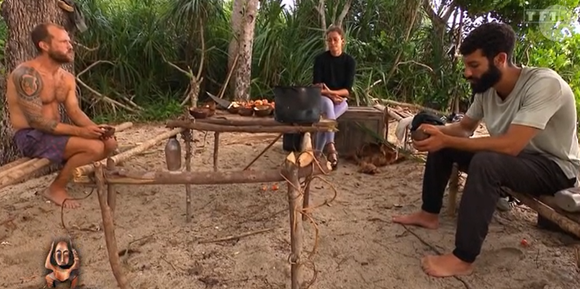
<point x="545" y="206"/>
<point x="23" y="168"/>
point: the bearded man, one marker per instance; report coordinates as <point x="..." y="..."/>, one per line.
<point x="35" y="89"/>
<point x="530" y="114"/>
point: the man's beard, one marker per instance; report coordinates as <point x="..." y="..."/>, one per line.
<point x="60" y="58"/>
<point x="486" y="81"/>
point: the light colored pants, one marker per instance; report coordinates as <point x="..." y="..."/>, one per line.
<point x="331" y="111"/>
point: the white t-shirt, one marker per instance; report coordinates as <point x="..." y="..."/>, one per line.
<point x="540" y="99"/>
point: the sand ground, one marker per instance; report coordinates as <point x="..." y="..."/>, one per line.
<point x="358" y="246"/>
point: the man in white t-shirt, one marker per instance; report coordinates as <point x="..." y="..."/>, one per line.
<point x="530" y="114"/>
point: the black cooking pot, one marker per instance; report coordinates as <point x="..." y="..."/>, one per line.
<point x="297" y="104"/>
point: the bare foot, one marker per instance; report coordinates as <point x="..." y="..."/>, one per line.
<point x="445" y="266"/>
<point x="58" y="196"/>
<point x="421" y="219"/>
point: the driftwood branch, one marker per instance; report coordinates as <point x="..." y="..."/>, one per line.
<point x="109" y="228"/>
<point x="89" y="49"/>
<point x="412" y="106"/>
<point x="131" y="177"/>
<point x="101" y="97"/>
<point x="192" y="92"/>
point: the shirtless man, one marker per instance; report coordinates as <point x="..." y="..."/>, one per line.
<point x="34" y="91"/>
<point x="530" y="114"/>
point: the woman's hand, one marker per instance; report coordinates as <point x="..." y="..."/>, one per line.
<point x="336" y="98"/>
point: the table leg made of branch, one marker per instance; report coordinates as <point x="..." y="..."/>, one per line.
<point x="297" y="165"/>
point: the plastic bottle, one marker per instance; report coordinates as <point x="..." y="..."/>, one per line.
<point x="173" y="154"/>
<point x="569" y="199"/>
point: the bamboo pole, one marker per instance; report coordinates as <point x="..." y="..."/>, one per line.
<point x="8" y="166"/>
<point x="18" y="167"/>
<point x="117" y="159"/>
<point x="15" y="176"/>
<point x="123" y="126"/>
<point x="109" y="228"/>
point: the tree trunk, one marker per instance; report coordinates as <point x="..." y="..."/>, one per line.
<point x="21" y="16"/>
<point x="236" y="21"/>
<point x="243" y="70"/>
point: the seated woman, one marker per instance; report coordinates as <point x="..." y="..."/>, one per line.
<point x="334" y="72"/>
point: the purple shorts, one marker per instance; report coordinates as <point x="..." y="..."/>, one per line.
<point x="33" y="143"/>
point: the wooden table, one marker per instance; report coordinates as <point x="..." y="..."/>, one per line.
<point x="291" y="172"/>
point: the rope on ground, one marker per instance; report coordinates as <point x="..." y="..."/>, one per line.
<point x="307" y="212"/>
<point x="72" y="199"/>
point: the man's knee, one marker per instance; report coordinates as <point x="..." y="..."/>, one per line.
<point x="96" y="148"/>
<point x="78" y="145"/>
<point x="486" y="160"/>
<point x="110" y="145"/>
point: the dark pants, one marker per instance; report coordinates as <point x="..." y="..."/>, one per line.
<point x="487" y="173"/>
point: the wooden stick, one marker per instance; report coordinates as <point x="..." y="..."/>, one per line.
<point x="453" y="189"/>
<point x="258" y="121"/>
<point x="306" y="202"/>
<point x="123" y="126"/>
<point x="394" y="115"/>
<point x="117" y="159"/>
<point x="290" y="171"/>
<point x="263" y="151"/>
<point x="109" y="228"/>
<point x="414" y="106"/>
<point x="247" y="234"/>
<point x="188" y="137"/>
<point x="326" y="126"/>
<point x="129" y="177"/>
<point x="13" y="164"/>
<point x="111" y="193"/>
<point x="216" y="146"/>
<point x="15" y="176"/>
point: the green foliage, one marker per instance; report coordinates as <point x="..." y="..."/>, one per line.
<point x="400" y="53"/>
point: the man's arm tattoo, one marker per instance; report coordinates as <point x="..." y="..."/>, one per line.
<point x="29" y="85"/>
